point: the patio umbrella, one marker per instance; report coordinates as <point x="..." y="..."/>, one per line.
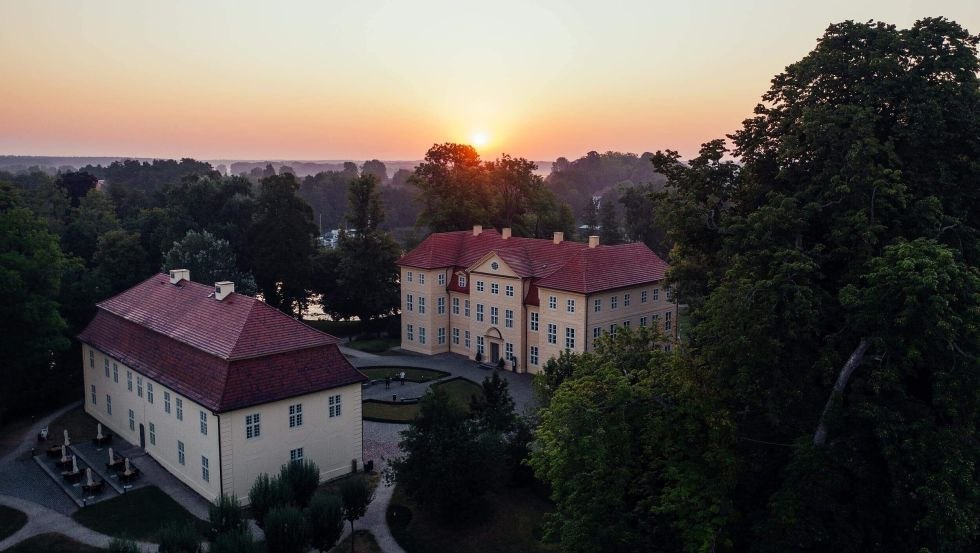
<point x="99" y="435"/>
<point x="67" y="442"/>
<point x="63" y="456"/>
<point x="74" y="464"/>
<point x="126" y="465"/>
<point x="112" y="458"/>
<point x="88" y="477"/>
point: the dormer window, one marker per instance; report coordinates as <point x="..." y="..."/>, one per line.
<point x="461" y="280"/>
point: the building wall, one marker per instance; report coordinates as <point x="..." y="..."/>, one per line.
<point x="167" y="428"/>
<point x="563" y="319"/>
<point x="653" y="310"/>
<point x="330" y="442"/>
<point x="501" y="277"/>
<point x="421" y="283"/>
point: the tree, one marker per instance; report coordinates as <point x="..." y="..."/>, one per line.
<point x="235" y="541"/>
<point x="555" y="371"/>
<point x="325" y="521"/>
<point x="364" y="209"/>
<point x="120" y="260"/>
<point x="76" y="185"/>
<point x="641" y="218"/>
<point x="225" y="515"/>
<point x="590" y="218"/>
<point x="494" y="408"/>
<point x="94" y="216"/>
<point x="209" y="259"/>
<point x="355" y="496"/>
<point x="376" y="169"/>
<point x="452" y="188"/>
<point x="609" y="232"/>
<point x="285" y="530"/>
<point x="281" y="240"/>
<point x="302" y="479"/>
<point x="513" y="184"/>
<point x="178" y="537"/>
<point x="265" y="494"/>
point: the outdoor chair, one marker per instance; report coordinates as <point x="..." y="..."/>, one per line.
<point x="71" y="476"/>
<point x="97" y="487"/>
<point x="106" y="439"/>
<point x="117" y="466"/>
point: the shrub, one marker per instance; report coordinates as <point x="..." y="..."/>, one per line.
<point x="226" y="515"/>
<point x="266" y="494"/>
<point x="179" y="538"/>
<point x="285" y="530"/>
<point x="239" y="540"/>
<point x="118" y="545"/>
<point x="324" y="520"/>
<point x="355" y="496"/>
<point x="302" y="479"/>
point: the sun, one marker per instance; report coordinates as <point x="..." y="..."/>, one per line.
<point x="479" y="139"/>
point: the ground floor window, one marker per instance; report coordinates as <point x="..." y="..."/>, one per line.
<point x="509" y="350"/>
<point x="569" y="338"/>
<point x="442" y="336"/>
<point x="455" y="336"/>
<point x="205" y="469"/>
<point x="410" y="332"/>
<point x="296" y="454"/>
<point x="180" y="452"/>
<point x="108" y="404"/>
<point x="93" y="394"/>
<point x="534" y="355"/>
<point x="479" y="345"/>
<point x="132" y="420"/>
<point x="421" y="334"/>
<point x="153" y="434"/>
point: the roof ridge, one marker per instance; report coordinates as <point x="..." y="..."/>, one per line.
<point x="245" y="320"/>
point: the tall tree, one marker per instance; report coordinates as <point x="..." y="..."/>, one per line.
<point x="609" y="232"/>
<point x="120" y="260"/>
<point x="209" y="259"/>
<point x="94" y="216"/>
<point x="377" y="169"/>
<point x="590" y="218"/>
<point x="452" y="188"/>
<point x="281" y="242"/>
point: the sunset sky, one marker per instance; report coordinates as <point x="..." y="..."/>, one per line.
<point x="375" y="79"/>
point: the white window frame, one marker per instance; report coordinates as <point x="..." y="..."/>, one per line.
<point x="166" y="402"/>
<point x="466" y="308"/>
<point x="441" y="305"/>
<point x="479" y="312"/>
<point x="296" y="415"/>
<point x="410" y="302"/>
<point x="296" y="455"/>
<point x="643" y="296"/>
<point x="461" y="281"/>
<point x="132" y="421"/>
<point x="534" y="321"/>
<point x="181" y="457"/>
<point x="408" y="276"/>
<point x="153" y="434"/>
<point x="552" y="302"/>
<point x="180" y="409"/>
<point x="94" y="397"/>
<point x="569" y="338"/>
<point x="410" y="332"/>
<point x="509" y="318"/>
<point x="442" y="279"/>
<point x="204" y="423"/>
<point x="441" y="335"/>
<point x="149" y="392"/>
<point x="614" y="302"/>
<point x="494" y="288"/>
<point x="421" y="305"/>
<point x="455" y="336"/>
<point x="205" y="469"/>
<point x="626" y="300"/>
<point x="421" y="334"/>
<point x="334" y="406"/>
<point x="108" y="404"/>
<point x="455" y="306"/>
<point x="570" y="305"/>
<point x="479" y="286"/>
<point x="533" y="356"/>
<point x="253" y="426"/>
<point x="466" y="339"/>
<point x="552" y="333"/>
<point x="509" y="291"/>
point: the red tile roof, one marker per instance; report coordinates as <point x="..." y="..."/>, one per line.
<point x="224" y="355"/>
<point x="569" y="266"/>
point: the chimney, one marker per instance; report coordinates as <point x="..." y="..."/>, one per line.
<point x="223" y="289"/>
<point x="505" y="232"/>
<point x="559" y="236"/>
<point x="593" y="241"/>
<point x="177" y="275"/>
<point x="477" y="230"/>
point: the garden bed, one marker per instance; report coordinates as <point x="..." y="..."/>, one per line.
<point x="412" y="374"/>
<point x="460" y="391"/>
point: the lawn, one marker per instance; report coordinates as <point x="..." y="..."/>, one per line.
<point x="459" y="389"/>
<point x="11" y="520"/>
<point x="137" y="515"/>
<point x="364" y="542"/>
<point x="374" y="345"/>
<point x="509" y="522"/>
<point x="412" y="374"/>
<point x="52" y="543"/>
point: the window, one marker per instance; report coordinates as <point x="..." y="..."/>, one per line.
<point x="455" y="336"/>
<point x="139" y="386"/>
<point x="534" y="322"/>
<point x="108" y="404"/>
<point x="614" y="302"/>
<point x="91" y="359"/>
<point x="421" y="278"/>
<point x="442" y="279"/>
<point x="494" y="288"/>
<point x="667" y="348"/>
<point x="479" y="312"/>
<point x="166" y="402"/>
<point x="410" y="302"/>
<point x="509" y="318"/>
<point x="656" y="294"/>
<point x="509" y="350"/>
<point x="668" y="293"/>
<point x="479" y="345"/>
<point x="552" y="333"/>
<point x="421" y="305"/>
<point x="205" y="469"/>
<point x="455" y="306"/>
<point x="441" y="336"/>
<point x="180" y="409"/>
<point x="466" y="339"/>
<point x="410" y="332"/>
<point x="570" y="306"/>
<point x="509" y="291"/>
<point x="296" y="414"/>
<point x="149" y="392"/>
<point x="643" y="321"/>
<point x="596" y="333"/>
<point x="626" y="300"/>
<point x="466" y="308"/>
<point x="253" y="426"/>
<point x="93" y="394"/>
<point x="408" y="276"/>
<point x="494" y="315"/>
<point x="132" y="420"/>
<point x="441" y="306"/>
<point x="534" y="355"/>
<point x="667" y="322"/>
<point x="204" y="423"/>
<point x="180" y="453"/>
<point x="626" y="324"/>
<point x="479" y="286"/>
<point x="569" y="338"/>
<point x="596" y="305"/>
<point x="655" y="317"/>
<point x="643" y="296"/>
<point x="552" y="302"/>
<point x="612" y="329"/>
<point x="421" y="334"/>
<point x="153" y="434"/>
<point x="461" y="281"/>
<point x="296" y="455"/>
<point x="115" y="373"/>
<point x="129" y="380"/>
<point x="333" y="406"/>
<point x="106" y="367"/>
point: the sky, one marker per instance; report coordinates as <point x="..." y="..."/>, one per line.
<point x="363" y="79"/>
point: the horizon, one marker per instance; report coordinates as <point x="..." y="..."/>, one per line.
<point x="307" y="81"/>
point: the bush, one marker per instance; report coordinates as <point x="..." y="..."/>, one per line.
<point x="356" y="495"/>
<point x="324" y="521"/>
<point x="179" y="538"/>
<point x="285" y="530"/>
<point x="266" y="494"/>
<point x="302" y="479"/>
<point x="118" y="545"/>
<point x="235" y="541"/>
<point x="226" y="515"/>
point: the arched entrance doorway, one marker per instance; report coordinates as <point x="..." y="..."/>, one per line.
<point x="495" y="345"/>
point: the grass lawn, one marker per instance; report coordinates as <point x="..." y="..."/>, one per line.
<point x="333" y="486"/>
<point x="137" y="515"/>
<point x="509" y="522"/>
<point x="52" y="543"/>
<point x="11" y="520"/>
<point x="364" y="542"/>
<point x="80" y="425"/>
<point x="460" y="390"/>
<point x="374" y="345"/>
<point x="412" y="374"/>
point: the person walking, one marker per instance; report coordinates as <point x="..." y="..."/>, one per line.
<point x="402" y="377"/>
<point x="388" y="382"/>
